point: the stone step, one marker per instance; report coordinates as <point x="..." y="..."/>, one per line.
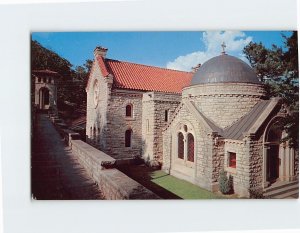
<point x="280" y="185"/>
<point x="282" y="192"/>
<point x="291" y="194"/>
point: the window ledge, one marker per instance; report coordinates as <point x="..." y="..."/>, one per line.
<point x="231" y="170"/>
<point x="129" y="118"/>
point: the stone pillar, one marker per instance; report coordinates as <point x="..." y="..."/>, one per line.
<point x="292" y="163"/>
<point x="282" y="163"/>
<point x="185" y="151"/>
<point x="287" y="164"/>
<point x="265" y="166"/>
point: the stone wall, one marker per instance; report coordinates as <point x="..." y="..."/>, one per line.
<point x="114" y="184"/>
<point x="240" y="174"/>
<point x="200" y="172"/>
<point x="96" y="126"/>
<point x="155" y="105"/>
<point x="224" y="103"/>
<point x="118" y="123"/>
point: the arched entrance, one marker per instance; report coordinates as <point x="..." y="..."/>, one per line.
<point x="278" y="156"/>
<point x="44" y="98"/>
<point x="272" y="144"/>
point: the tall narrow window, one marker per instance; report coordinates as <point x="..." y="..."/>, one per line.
<point x="91" y="133"/>
<point x="191" y="148"/>
<point x="94" y="134"/>
<point x="147" y="125"/>
<point x="129" y="110"/>
<point x="232" y="160"/>
<point x="98" y="134"/>
<point x="180" y="146"/>
<point x="128" y="135"/>
<point x="166" y="115"/>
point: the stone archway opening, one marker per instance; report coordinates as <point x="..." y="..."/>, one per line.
<point x="278" y="156"/>
<point x="273" y="160"/>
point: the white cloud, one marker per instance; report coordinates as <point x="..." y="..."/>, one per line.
<point x="235" y="42"/>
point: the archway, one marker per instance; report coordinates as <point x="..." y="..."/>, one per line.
<point x="278" y="156"/>
<point x="44" y="98"/>
<point x="273" y="160"/>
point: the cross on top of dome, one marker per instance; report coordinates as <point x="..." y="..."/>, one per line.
<point x="223" y="45"/>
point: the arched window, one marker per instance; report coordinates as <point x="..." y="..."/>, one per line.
<point x="128" y="110"/>
<point x="191" y="148"/>
<point x="180" y="146"/>
<point x="128" y="135"/>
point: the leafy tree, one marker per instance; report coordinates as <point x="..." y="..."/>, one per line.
<point x="71" y="85"/>
<point x="278" y="69"/>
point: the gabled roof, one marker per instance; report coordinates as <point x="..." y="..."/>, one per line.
<point x="249" y="123"/>
<point x="134" y="76"/>
<point x="236" y="130"/>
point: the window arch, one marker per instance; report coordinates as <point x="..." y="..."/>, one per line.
<point x="128" y="137"/>
<point x="190" y="147"/>
<point x="185" y="147"/>
<point x="180" y="146"/>
<point x="129" y="110"/>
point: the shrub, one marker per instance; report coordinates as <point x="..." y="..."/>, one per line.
<point x="225" y="183"/>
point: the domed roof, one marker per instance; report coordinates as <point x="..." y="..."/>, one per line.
<point x="224" y="69"/>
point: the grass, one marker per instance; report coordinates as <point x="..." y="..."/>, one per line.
<point x="165" y="185"/>
<point x="181" y="188"/>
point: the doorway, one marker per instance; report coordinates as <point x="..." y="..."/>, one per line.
<point x="44" y="98"/>
<point x="273" y="163"/>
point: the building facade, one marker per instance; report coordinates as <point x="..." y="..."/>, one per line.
<point x="194" y="124"/>
<point x="45" y="89"/>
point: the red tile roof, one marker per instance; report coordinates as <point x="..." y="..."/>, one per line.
<point x="142" y="77"/>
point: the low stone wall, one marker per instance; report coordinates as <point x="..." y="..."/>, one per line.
<point x="114" y="184"/>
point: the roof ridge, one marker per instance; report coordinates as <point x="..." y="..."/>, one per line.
<point x="163" y="68"/>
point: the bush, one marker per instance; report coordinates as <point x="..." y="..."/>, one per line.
<point x="225" y="183"/>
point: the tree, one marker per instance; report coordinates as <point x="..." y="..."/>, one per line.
<point x="278" y="69"/>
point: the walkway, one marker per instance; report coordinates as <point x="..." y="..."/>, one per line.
<point x="55" y="173"/>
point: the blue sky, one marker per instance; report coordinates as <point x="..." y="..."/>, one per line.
<point x="175" y="50"/>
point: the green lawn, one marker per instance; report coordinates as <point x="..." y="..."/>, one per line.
<point x="181" y="188"/>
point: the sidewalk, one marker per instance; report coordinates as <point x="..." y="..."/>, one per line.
<point x="55" y="172"/>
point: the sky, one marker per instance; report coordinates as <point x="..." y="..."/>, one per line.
<point x="179" y="50"/>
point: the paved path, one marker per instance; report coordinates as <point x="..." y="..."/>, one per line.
<point x="55" y="173"/>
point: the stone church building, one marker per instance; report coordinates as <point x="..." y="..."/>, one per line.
<point x="194" y="124"/>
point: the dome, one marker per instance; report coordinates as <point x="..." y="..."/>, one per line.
<point x="224" y="69"/>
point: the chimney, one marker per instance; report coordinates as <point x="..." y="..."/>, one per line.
<point x="100" y="51"/>
<point x="196" y="68"/>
